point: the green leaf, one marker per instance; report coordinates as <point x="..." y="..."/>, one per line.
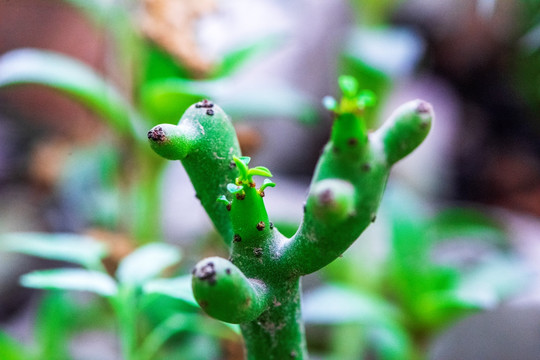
<point x="74" y="248"/>
<point x="147" y="262"/>
<point x="166" y="100"/>
<point x="267" y="183"/>
<point x="334" y="304"/>
<point x="178" y="288"/>
<point x="265" y="99"/>
<point x="242" y="166"/>
<point x="10" y="349"/>
<point x="223" y="199"/>
<point x="54" y="324"/>
<point x="348" y="85"/>
<point x="71" y="279"/>
<point x="245" y="159"/>
<point x="180" y="322"/>
<point x="492" y="280"/>
<point x="467" y="223"/>
<point x="391" y="342"/>
<point x="233" y="188"/>
<point x="259" y="170"/>
<point x="160" y="334"/>
<point x="233" y="60"/>
<point x="366" y="98"/>
<point x="60" y="72"/>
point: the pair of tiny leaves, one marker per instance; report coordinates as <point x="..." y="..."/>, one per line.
<point x="246" y="174"/>
<point x="246" y="177"/>
<point x="353" y="99"/>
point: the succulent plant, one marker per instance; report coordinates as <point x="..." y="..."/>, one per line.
<point x="258" y="287"/>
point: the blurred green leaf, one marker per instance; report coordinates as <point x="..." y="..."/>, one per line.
<point x="438" y="308"/>
<point x="146" y="263"/>
<point x="71" y="279"/>
<point x="178" y="288"/>
<point x="179" y="322"/>
<point x="390" y="342"/>
<point x="89" y="183"/>
<point x="334" y="304"/>
<point x="60" y="72"/>
<point x="493" y="280"/>
<point x="193" y="347"/>
<point x="160" y="335"/>
<point x="164" y="101"/>
<point x="184" y="322"/>
<point x="466" y="223"/>
<point x="269" y="99"/>
<point x="78" y="249"/>
<point x="366" y="98"/>
<point x="54" y="322"/>
<point x="10" y="349"/>
<point x="348" y="85"/>
<point x="235" y="59"/>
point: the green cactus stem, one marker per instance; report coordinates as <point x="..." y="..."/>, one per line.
<point x="259" y="286"/>
<point x="205" y="141"/>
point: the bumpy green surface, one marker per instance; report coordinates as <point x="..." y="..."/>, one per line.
<point x="205" y="141"/>
<point x="259" y="286"/>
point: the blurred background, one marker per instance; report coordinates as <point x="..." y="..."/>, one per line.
<point x="451" y="268"/>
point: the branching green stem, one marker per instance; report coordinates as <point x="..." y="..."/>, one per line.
<point x="259" y="286"/>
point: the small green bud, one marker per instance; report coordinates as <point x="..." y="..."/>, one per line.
<point x="168" y="141"/>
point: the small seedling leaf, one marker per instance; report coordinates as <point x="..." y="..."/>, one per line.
<point x="76" y="79"/>
<point x="245" y="159"/>
<point x="147" y="262"/>
<point x="223" y="199"/>
<point x="71" y="279"/>
<point x="367" y="99"/>
<point x="259" y="170"/>
<point x="349" y="86"/>
<point x="233" y="188"/>
<point x="267" y="183"/>
<point x="242" y="165"/>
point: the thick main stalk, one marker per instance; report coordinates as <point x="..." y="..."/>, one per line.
<point x="278" y="333"/>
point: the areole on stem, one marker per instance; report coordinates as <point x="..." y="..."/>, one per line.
<point x="259" y="286"/>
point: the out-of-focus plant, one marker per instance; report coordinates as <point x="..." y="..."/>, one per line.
<point x="136" y="288"/>
<point x="155" y="89"/>
<point x="377" y="53"/>
<point x="259" y="286"/>
<point x="434" y="268"/>
<point x="526" y="57"/>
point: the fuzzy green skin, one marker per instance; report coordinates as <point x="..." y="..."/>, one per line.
<point x="205" y="141"/>
<point x="261" y="288"/>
